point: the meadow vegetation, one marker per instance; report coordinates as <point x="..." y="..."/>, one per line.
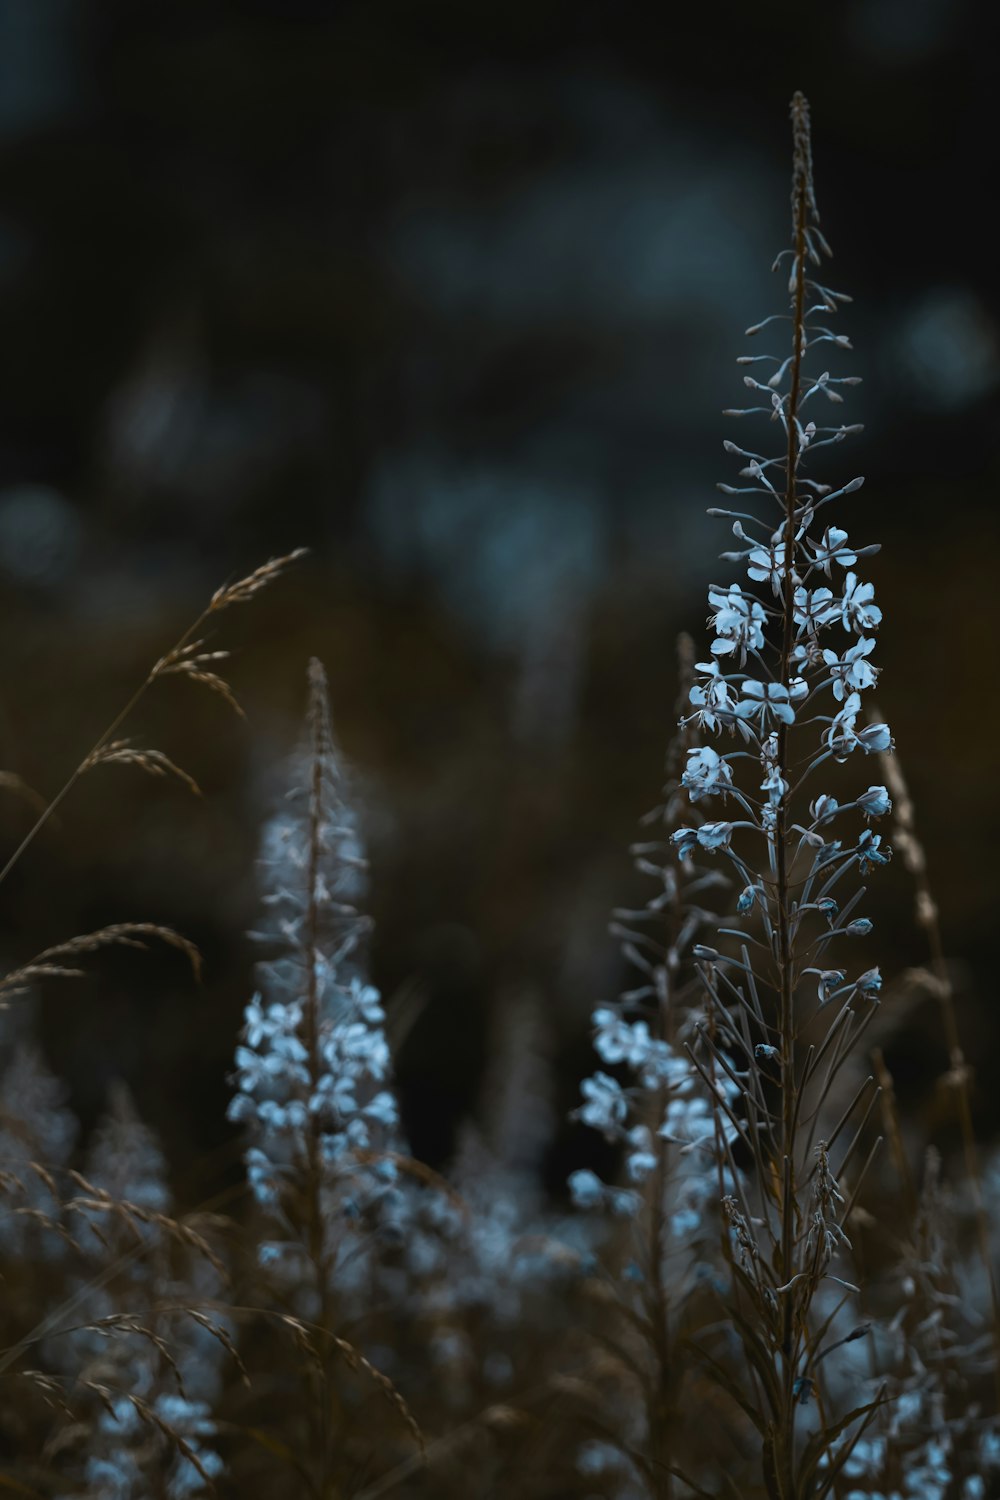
<point x="749" y="1287"/>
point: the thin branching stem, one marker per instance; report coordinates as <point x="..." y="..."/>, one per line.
<point x="177" y="661"/>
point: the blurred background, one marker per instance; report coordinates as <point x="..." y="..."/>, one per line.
<point x="451" y="294"/>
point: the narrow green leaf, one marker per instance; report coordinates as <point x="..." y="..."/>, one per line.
<point x="757" y="1354"/>
<point x="722" y="1378"/>
<point x="770" y="1468"/>
<point x="820" y="1442"/>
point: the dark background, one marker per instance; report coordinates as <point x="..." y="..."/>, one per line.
<point x="451" y="294"/>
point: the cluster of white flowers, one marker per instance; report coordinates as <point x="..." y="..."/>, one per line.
<point x="778" y="633"/>
<point x="312" y="1068"/>
<point x="277" y="1092"/>
<point x="666" y="1096"/>
<point x="665" y="1100"/>
<point x="126" y="1448"/>
<point x="751" y="703"/>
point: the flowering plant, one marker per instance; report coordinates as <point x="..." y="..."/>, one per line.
<point x="745" y="1074"/>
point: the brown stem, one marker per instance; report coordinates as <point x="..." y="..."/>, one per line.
<point x="659" y="1400"/>
<point x="311" y="1037"/>
<point x="786" y="1438"/>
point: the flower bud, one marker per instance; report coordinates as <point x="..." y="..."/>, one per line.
<point x="876" y="802"/>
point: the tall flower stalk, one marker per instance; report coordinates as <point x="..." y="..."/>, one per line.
<point x="312" y="1077"/>
<point x="661" y="1116"/>
<point x="313" y="1053"/>
<point x="784" y="1004"/>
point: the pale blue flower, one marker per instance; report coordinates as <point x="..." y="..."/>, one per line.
<point x="851" y="672"/>
<point x="689" y="1120"/>
<point x="282" y="1117"/>
<point x="619" y="1041"/>
<point x="707" y="774"/>
<point x="738" y="621"/>
<point x="586" y="1188"/>
<point x="775" y="785"/>
<point x="685" y="841"/>
<point x="814" y="608"/>
<point x="875" y="739"/>
<point x="876" y="802"/>
<point x="748" y="897"/>
<point x="685" y="1221"/>
<point x="841" y="737"/>
<point x="767" y="564"/>
<point x="826" y="854"/>
<point x="262" y="1176"/>
<point x="770" y="700"/>
<point x="989" y="1447"/>
<point x="712" y="698"/>
<point x="606" y="1106"/>
<point x="640" y="1161"/>
<point x="857" y="610"/>
<point x="385" y="1110"/>
<point x="828" y="982"/>
<point x="710" y="836"/>
<point x="623" y="1203"/>
<point x="366" y="1002"/>
<point x="715" y="836"/>
<point x="824" y="809"/>
<point x="871" y="851"/>
<point x="833" y="549"/>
